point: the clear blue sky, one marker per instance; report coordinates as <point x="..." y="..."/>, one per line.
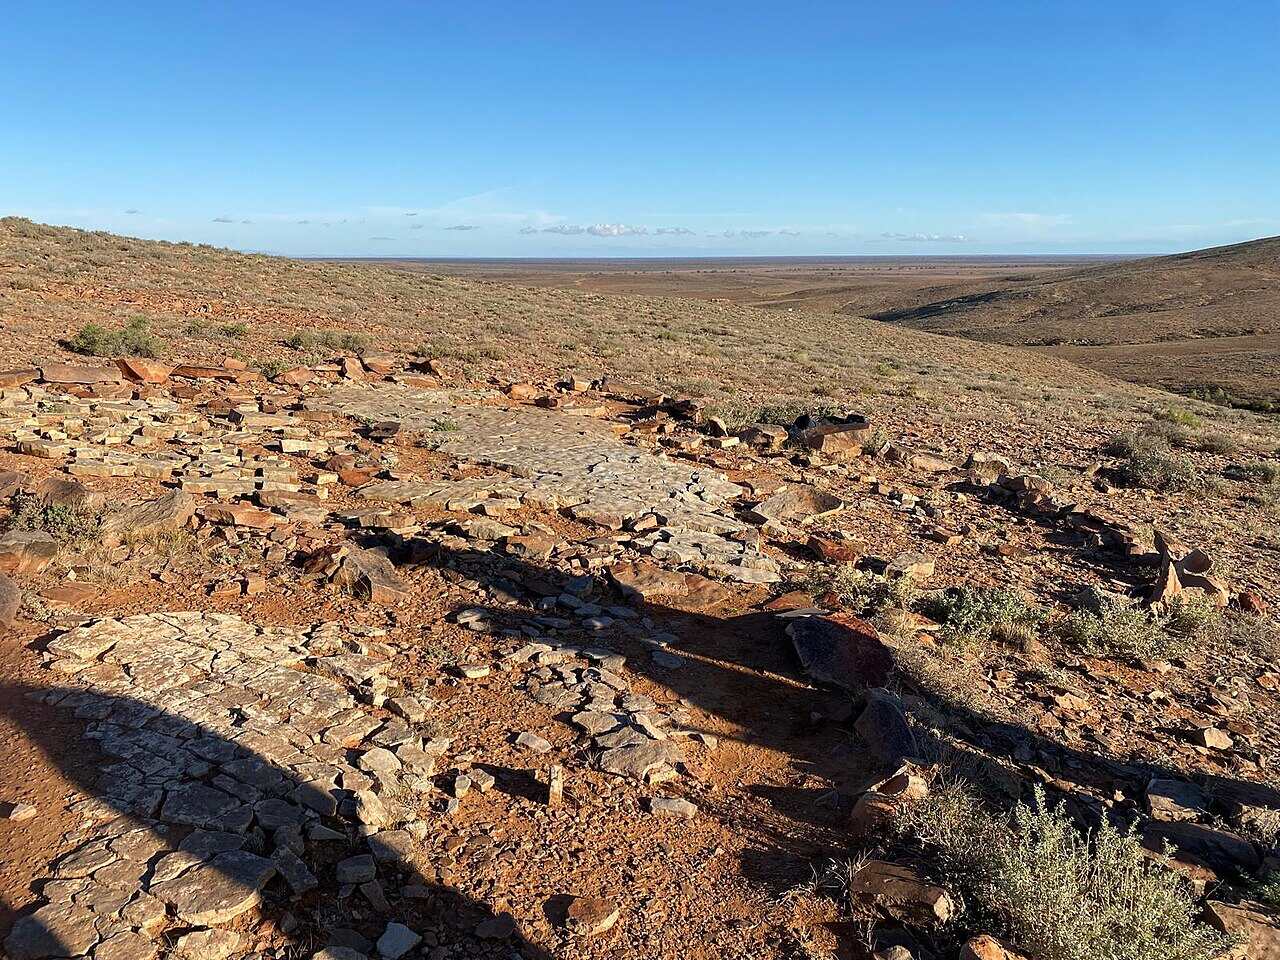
<point x="611" y="129"/>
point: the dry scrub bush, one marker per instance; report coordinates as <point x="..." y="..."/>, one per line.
<point x="1112" y="626"/>
<point x="1056" y="893"/>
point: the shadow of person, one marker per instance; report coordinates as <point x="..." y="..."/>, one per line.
<point x="741" y="668"/>
<point x="187" y="830"/>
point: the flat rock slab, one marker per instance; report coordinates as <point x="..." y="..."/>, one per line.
<point x="841" y="650"/>
<point x="217" y="891"/>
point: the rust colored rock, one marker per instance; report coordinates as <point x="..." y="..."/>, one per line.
<point x="986" y="947"/>
<point x="240" y="515"/>
<point x="18" y="378"/>
<point x="647" y="581"/>
<point x="834" y="551"/>
<point x="55" y="491"/>
<point x="69" y="374"/>
<point x="872" y="815"/>
<point x="591" y="916"/>
<point x="1250" y="602"/>
<point x="26" y="551"/>
<point x="357" y="476"/>
<point x="11" y="481"/>
<point x="380" y="364"/>
<point x="199" y="371"/>
<point x="144" y="369"/>
<point x="10" y="601"/>
<point x="295" y="377"/>
<point x="163" y="514"/>
<point x="368" y="575"/>
<point x="839" y="441"/>
<point x="899" y="892"/>
<point x="1257" y="929"/>
<point x="841" y="649"/>
<point x="523" y="391"/>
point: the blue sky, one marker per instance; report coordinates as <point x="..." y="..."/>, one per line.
<point x="655" y="129"/>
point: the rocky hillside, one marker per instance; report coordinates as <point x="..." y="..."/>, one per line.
<point x="316" y="647"/>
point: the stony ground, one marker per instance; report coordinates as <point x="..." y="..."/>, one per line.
<point x="372" y="662"/>
<point x="384" y="655"/>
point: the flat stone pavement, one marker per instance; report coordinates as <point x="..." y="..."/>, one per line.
<point x="230" y="751"/>
<point x="561" y="460"/>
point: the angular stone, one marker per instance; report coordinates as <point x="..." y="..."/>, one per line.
<point x="164" y="514"/>
<point x="208" y="944"/>
<point x="144" y="369"/>
<point x="199" y="805"/>
<point x="899" y="892"/>
<point x="368" y="575"/>
<point x="1219" y="850"/>
<point x="26" y="551"/>
<point x="797" y="503"/>
<point x="842" y="650"/>
<point x="673" y="807"/>
<point x="1257" y="929"/>
<point x="640" y="759"/>
<point x="882" y="726"/>
<point x="10" y="601"/>
<point x="64" y="373"/>
<point x="217" y="891"/>
<point x="55" y="930"/>
<point x="590" y="916"/>
<point x="1172" y="800"/>
<point x="357" y="869"/>
<point x="396" y="941"/>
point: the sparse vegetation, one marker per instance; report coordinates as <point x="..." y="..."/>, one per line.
<point x="1114" y="626"/>
<point x="863" y="591"/>
<point x="1057" y="893"/>
<point x="63" y="523"/>
<point x="971" y="615"/>
<point x="1147" y="460"/>
<point x="335" y="341"/>
<point x="134" y="339"/>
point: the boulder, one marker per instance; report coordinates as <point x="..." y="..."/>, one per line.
<point x="164" y="514"/>
<point x="368" y="575"/>
<point x="10" y="601"/>
<point x="57" y="491"/>
<point x="144" y="369"/>
<point x="796" y="503"/>
<point x="841" y="650"/>
<point x="65" y="373"/>
<point x="882" y="726"/>
<point x="26" y="551"/>
<point x="840" y="440"/>
<point x="590" y="916"/>
<point x="898" y="892"/>
<point x="18" y="378"/>
<point x="1257" y="928"/>
<point x="1223" y="852"/>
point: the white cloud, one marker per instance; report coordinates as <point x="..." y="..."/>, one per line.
<point x="223" y="220"/>
<point x="616" y="230"/>
<point x="463" y="226"/>
<point x="673" y="232"/>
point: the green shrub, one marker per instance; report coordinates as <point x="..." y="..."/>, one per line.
<point x="134" y="339"/>
<point x="1265" y="472"/>
<point x="1183" y="418"/>
<point x="971" y="614"/>
<point x="234" y="330"/>
<point x="1057" y="893"/>
<point x="63" y="523"/>
<point x="861" y="590"/>
<point x="1112" y="626"/>
<point x="1147" y="460"/>
<point x="337" y="341"/>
